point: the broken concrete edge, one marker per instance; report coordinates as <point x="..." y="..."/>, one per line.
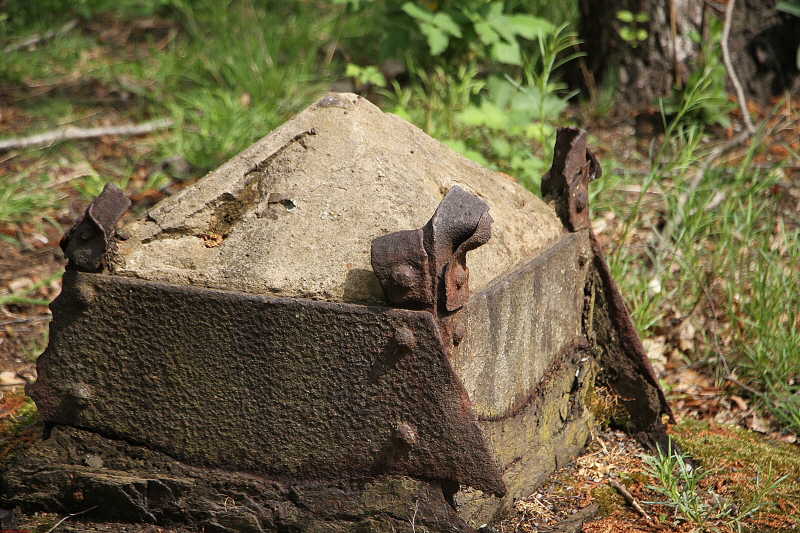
<point x="334" y="177"/>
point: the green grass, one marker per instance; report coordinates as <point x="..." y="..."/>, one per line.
<point x="705" y="242"/>
<point x="689" y="491"/>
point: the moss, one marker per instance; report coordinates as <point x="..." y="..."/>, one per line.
<point x="710" y="442"/>
<point x="18" y="429"/>
<point x="633" y="478"/>
<point x="607" y="499"/>
<point x="745" y="457"/>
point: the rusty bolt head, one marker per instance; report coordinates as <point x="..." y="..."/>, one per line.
<point x="459" y="332"/>
<point x="459" y="276"/>
<point x="405" y="338"/>
<point x="407" y="434"/>
<point x="85" y="294"/>
<point x="404" y="276"/>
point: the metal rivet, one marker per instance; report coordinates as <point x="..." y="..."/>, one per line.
<point x="85" y="294"/>
<point x="407" y="434"/>
<point x="404" y="276"/>
<point x="80" y="391"/>
<point x="405" y="338"/>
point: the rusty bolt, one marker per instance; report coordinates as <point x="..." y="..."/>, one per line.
<point x="405" y="338"/>
<point x="85" y="294"/>
<point x="459" y="276"/>
<point x="407" y="434"/>
<point x="404" y="276"/>
<point x="459" y="332"/>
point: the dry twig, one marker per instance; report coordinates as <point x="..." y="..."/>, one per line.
<point x="68" y="517"/>
<point x="726" y="59"/>
<point x="633" y="502"/>
<point x="69" y="133"/>
<point x="37" y="38"/>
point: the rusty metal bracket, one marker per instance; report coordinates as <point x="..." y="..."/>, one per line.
<point x="567" y="181"/>
<point x="86" y="242"/>
<point x="567" y="184"/>
<point x="426" y="269"/>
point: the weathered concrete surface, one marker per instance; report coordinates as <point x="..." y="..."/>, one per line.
<point x="519" y="324"/>
<point x="294" y="214"/>
<point x="545" y="434"/>
<point x="74" y="470"/>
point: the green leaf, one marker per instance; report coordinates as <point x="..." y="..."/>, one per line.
<point x="641" y="34"/>
<point x="414" y="11"/>
<point x="627" y="34"/>
<point x="437" y="39"/>
<point x="446" y="23"/>
<point x="528" y="26"/>
<point x="641" y="18"/>
<point x="488" y="114"/>
<point x="499" y="22"/>
<point x="508" y="53"/>
<point x="625" y="16"/>
<point x="793" y="8"/>
<point x="485" y="33"/>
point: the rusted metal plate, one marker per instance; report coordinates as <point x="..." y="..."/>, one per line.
<point x="291" y="389"/>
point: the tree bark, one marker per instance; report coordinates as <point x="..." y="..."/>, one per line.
<point x="763" y="46"/>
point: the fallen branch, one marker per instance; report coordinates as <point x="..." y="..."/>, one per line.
<point x="37" y="38"/>
<point x="37" y="318"/>
<point x="68" y="517"/>
<point x="726" y="59"/>
<point x="633" y="502"/>
<point x="70" y="133"/>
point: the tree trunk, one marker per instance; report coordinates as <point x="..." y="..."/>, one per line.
<point x="763" y="44"/>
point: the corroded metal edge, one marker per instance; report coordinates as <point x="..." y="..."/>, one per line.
<point x="631" y="374"/>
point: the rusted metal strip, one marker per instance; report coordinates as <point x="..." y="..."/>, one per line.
<point x="627" y="341"/>
<point x="281" y="387"/>
<point x="567" y="184"/>
<point x="567" y="181"/>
